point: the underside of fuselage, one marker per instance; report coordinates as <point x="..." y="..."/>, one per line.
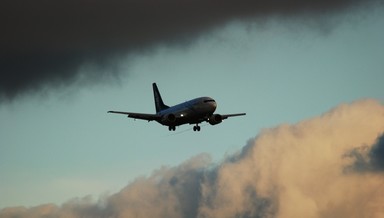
<point x="191" y="112"/>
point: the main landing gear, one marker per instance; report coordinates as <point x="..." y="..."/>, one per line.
<point x="196" y="128"/>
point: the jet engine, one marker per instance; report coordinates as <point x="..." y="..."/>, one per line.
<point x="215" y="119"/>
<point x="168" y="119"/>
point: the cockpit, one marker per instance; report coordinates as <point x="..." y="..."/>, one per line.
<point x="209" y="100"/>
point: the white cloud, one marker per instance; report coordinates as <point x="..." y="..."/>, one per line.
<point x="289" y="171"/>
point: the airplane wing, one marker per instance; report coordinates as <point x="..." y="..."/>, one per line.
<point x="225" y="116"/>
<point x="140" y="116"/>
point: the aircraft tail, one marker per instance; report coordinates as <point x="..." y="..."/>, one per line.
<point x="158" y="100"/>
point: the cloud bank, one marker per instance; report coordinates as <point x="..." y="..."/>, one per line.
<point x="45" y="44"/>
<point x="327" y="166"/>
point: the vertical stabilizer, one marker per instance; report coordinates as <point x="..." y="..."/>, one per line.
<point x="158" y="100"/>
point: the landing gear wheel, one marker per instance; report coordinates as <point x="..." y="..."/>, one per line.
<point x="196" y="128"/>
<point x="171" y="128"/>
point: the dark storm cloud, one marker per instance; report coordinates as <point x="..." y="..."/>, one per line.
<point x="377" y="154"/>
<point x="44" y="43"/>
<point x="368" y="159"/>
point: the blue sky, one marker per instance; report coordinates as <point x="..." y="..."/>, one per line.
<point x="61" y="144"/>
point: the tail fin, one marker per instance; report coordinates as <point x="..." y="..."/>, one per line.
<point x="158" y="101"/>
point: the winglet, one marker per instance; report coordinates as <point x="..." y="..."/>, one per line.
<point x="159" y="104"/>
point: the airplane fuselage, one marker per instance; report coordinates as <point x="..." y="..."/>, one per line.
<point x="192" y="112"/>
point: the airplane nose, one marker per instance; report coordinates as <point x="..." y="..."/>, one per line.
<point x="214" y="104"/>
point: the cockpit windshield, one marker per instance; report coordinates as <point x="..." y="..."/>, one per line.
<point x="209" y="100"/>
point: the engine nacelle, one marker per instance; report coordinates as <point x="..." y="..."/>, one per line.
<point x="215" y="119"/>
<point x="168" y="119"/>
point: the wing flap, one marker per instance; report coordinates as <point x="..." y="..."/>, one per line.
<point x="225" y="116"/>
<point x="140" y="116"/>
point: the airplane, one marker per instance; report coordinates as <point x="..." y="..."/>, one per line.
<point x="194" y="111"/>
